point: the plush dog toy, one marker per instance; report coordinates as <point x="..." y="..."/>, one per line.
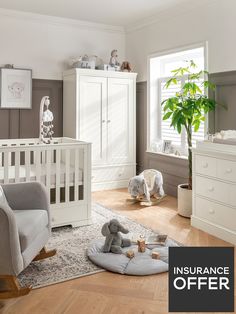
<point x="114" y="241"/>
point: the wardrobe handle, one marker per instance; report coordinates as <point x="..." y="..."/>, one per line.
<point x="108" y="121"/>
<point x="103" y="121"/>
<point x="205" y="165"/>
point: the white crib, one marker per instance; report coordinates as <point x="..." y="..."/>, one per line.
<point x="64" y="167"/>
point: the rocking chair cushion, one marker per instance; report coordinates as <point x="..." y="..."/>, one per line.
<point x="30" y="224"/>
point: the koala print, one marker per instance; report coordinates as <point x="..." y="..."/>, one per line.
<point x="16" y="89"/>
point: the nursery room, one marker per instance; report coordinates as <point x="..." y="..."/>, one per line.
<point x="117" y="156"/>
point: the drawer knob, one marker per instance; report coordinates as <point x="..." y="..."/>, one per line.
<point x="211" y="189"/>
<point x="53" y="219"/>
<point x="211" y="211"/>
<point x="205" y="165"/>
<point x="229" y="170"/>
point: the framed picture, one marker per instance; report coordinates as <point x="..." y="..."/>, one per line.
<point x="166" y="147"/>
<point x="16" y="88"/>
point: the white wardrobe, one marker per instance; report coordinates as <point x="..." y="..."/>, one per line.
<point x="100" y="107"/>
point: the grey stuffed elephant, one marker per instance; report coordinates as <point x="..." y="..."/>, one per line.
<point x="114" y="241"/>
<point x="138" y="187"/>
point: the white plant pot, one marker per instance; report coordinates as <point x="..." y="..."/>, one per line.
<point x="184" y="200"/>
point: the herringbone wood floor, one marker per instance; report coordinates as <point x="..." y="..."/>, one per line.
<point x="109" y="293"/>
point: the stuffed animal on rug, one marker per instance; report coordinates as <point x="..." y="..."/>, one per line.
<point x="114" y="240"/>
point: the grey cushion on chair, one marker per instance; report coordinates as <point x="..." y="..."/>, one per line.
<point x="24" y="224"/>
<point x="30" y="223"/>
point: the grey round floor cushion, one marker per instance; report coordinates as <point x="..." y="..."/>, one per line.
<point x="141" y="264"/>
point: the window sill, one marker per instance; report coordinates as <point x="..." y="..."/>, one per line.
<point x="167" y="155"/>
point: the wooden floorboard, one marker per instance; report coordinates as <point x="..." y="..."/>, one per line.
<point x="107" y="293"/>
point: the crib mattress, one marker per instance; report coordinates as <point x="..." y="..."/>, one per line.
<point x="22" y="174"/>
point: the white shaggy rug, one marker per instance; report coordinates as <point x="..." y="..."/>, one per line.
<point x="71" y="260"/>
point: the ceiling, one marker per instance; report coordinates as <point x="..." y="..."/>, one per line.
<point x="113" y="12"/>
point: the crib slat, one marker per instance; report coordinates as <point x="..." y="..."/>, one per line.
<point x="48" y="170"/>
<point x="43" y="157"/>
<point x="76" y="174"/>
<point x="58" y="175"/>
<point x="10" y="158"/>
<point x="27" y="165"/>
<point x="38" y="166"/>
<point x="17" y="166"/>
<point x="67" y="181"/>
<point x="6" y="168"/>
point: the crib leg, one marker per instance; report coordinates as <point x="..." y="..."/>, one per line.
<point x="11" y="287"/>
<point x="44" y="254"/>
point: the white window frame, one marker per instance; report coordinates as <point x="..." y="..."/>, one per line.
<point x="152" y="93"/>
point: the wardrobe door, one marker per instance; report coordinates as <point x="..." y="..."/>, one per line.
<point x="120" y="120"/>
<point x="92" y="115"/>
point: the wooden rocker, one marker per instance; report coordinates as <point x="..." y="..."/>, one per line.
<point x="44" y="254"/>
<point x="143" y="202"/>
<point x="10" y="286"/>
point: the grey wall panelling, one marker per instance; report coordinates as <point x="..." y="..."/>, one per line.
<point x="225" y="93"/>
<point x="16" y="123"/>
<point x="24" y="123"/>
<point x="174" y="170"/>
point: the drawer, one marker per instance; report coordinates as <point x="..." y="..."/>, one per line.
<point x="112" y="174"/>
<point x="216" y="190"/>
<point x="215" y="213"/>
<point x="226" y="170"/>
<point x="206" y="165"/>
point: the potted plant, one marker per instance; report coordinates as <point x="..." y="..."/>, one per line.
<point x="187" y="109"/>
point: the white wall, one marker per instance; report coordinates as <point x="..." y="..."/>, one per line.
<point x="46" y="43"/>
<point x="215" y="23"/>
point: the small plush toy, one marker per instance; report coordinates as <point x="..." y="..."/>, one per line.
<point x="126" y="67"/>
<point x="114" y="241"/>
<point x="113" y="60"/>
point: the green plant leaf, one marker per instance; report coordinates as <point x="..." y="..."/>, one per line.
<point x="197" y="125"/>
<point x="209" y="85"/>
<point x="167" y="115"/>
<point x="172" y="80"/>
<point x="193" y="64"/>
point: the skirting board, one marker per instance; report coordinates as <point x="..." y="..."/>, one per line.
<point x="110" y="185"/>
<point x="74" y="224"/>
<point x="217" y="231"/>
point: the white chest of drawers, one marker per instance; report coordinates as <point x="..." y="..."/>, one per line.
<point x="214" y="190"/>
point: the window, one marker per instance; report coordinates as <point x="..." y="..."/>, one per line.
<point x="160" y="72"/>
